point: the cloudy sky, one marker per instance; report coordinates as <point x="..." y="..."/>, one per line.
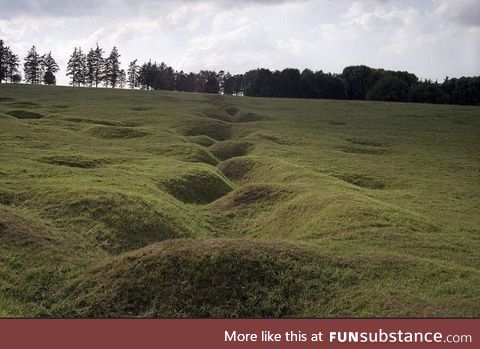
<point x="431" y="38"/>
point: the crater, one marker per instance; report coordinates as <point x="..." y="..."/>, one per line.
<point x="93" y="121"/>
<point x="61" y="106"/>
<point x="217" y="130"/>
<point x="116" y="132"/>
<point x="232" y="110"/>
<point x="249" y="117"/>
<point x="362" y="181"/>
<point x="218" y="114"/>
<point x="141" y="108"/>
<point x="336" y="122"/>
<point x="25" y="114"/>
<point x="199" y="186"/>
<point x="230" y="149"/>
<point x="237" y="168"/>
<point x="363" y="151"/>
<point x="73" y="161"/>
<point x="6" y="99"/>
<point x="368" y="142"/>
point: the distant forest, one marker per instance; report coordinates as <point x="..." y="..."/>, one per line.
<point x="94" y="69"/>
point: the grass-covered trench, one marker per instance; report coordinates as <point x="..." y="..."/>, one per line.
<point x="119" y="203"/>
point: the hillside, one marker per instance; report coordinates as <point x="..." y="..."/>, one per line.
<point x="119" y="203"/>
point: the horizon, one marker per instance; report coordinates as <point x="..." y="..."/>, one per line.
<point x="431" y="39"/>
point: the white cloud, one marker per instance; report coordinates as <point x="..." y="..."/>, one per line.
<point x="431" y="38"/>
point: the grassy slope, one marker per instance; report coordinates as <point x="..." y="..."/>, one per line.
<point x="141" y="203"/>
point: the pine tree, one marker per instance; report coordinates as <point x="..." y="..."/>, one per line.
<point x="112" y="68"/>
<point x="90" y="68"/>
<point x="33" y="67"/>
<point x="133" y="71"/>
<point x="98" y="66"/>
<point x="50" y="67"/>
<point x="8" y="64"/>
<point x="76" y="67"/>
<point x="12" y="64"/>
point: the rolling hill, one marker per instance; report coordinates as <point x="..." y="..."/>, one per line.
<point x="126" y="203"/>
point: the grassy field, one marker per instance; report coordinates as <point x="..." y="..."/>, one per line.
<point x="162" y="204"/>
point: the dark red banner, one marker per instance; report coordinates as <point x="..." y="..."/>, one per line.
<point x="327" y="334"/>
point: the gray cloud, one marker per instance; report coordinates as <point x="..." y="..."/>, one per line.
<point x="48" y="8"/>
<point x="464" y="12"/>
<point x="72" y="8"/>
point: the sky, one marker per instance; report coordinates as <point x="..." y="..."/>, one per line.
<point x="431" y="38"/>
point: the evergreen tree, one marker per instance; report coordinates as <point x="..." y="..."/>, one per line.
<point x="90" y="68"/>
<point x="112" y="68"/>
<point x="12" y="64"/>
<point x="8" y="64"/>
<point x="99" y="65"/>
<point x="76" y="67"/>
<point x="50" y="67"/>
<point x="33" y="67"/>
<point x="133" y="70"/>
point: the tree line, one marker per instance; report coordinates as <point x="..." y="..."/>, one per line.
<point x="93" y="69"/>
<point x="361" y="83"/>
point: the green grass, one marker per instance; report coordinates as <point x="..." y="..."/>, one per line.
<point x="160" y="204"/>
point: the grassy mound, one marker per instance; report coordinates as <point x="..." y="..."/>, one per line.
<point x="25" y="114"/>
<point x="202" y="140"/>
<point x="185" y="152"/>
<point x="316" y="214"/>
<point x="253" y="195"/>
<point x="23" y="232"/>
<point x="212" y="278"/>
<point x="117" y="221"/>
<point x="197" y="185"/>
<point x="230" y="149"/>
<point x="22" y="104"/>
<point x="73" y="161"/>
<point x="245" y="278"/>
<point x="5" y="116"/>
<point x="33" y="264"/>
<point x="116" y="132"/>
<point x="267" y="137"/>
<point x="217" y="130"/>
